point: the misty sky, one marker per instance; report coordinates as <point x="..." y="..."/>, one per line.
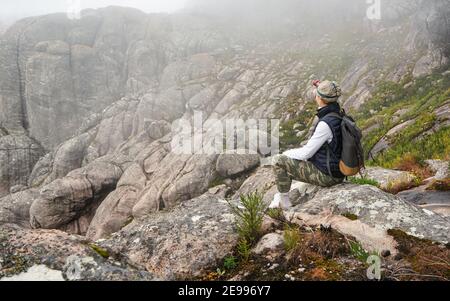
<point x="12" y="9"/>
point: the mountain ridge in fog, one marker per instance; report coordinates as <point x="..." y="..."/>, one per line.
<point x="90" y="109"/>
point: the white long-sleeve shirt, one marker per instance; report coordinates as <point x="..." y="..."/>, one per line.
<point x="322" y="135"/>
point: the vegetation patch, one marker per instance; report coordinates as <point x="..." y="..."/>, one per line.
<point x="14" y="264"/>
<point x="291" y="236"/>
<point x="363" y="181"/>
<point x="99" y="250"/>
<point x="230" y="263"/>
<point x="395" y="187"/>
<point x="417" y="102"/>
<point x="357" y="250"/>
<point x="217" y="182"/>
<point x="440" y="185"/>
<point x="411" y="164"/>
<point x="311" y="255"/>
<point x="420" y="259"/>
<point x="275" y="213"/>
<point x="302" y="122"/>
<point x="350" y="216"/>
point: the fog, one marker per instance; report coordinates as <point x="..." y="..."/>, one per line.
<point x="13" y="10"/>
<point x="275" y="16"/>
<point x="242" y="9"/>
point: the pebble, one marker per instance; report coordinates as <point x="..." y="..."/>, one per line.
<point x="275" y="265"/>
<point x="398" y="257"/>
<point x="289" y="277"/>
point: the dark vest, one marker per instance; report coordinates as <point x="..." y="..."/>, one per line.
<point x="320" y="158"/>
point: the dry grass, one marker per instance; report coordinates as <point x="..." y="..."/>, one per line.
<point x="440" y="185"/>
<point x="411" y="164"/>
<point x="421" y="259"/>
<point x="396" y="187"/>
<point x="320" y="244"/>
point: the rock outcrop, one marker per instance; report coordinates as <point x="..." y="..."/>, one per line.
<point x="375" y="210"/>
<point x="380" y="210"/>
<point x="98" y="269"/>
<point x="181" y="243"/>
<point x="90" y="110"/>
<point x="52" y="255"/>
<point x="15" y="208"/>
<point x="388" y="178"/>
<point x="73" y="197"/>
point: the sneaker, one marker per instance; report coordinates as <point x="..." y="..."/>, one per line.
<point x="281" y="200"/>
<point x="285" y="202"/>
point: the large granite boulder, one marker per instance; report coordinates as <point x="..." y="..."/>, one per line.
<point x="182" y="178"/>
<point x="379" y="210"/>
<point x="229" y="165"/>
<point x="52" y="255"/>
<point x="116" y="210"/>
<point x="48" y="247"/>
<point x="70" y="202"/>
<point x="15" y="207"/>
<point x="181" y="243"/>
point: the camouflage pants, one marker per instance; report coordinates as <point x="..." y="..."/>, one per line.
<point x="287" y="169"/>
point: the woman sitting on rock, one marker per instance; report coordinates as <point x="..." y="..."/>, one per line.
<point x="309" y="164"/>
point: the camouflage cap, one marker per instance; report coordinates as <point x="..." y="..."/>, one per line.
<point x="329" y="91"/>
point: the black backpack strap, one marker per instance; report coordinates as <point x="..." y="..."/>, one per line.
<point x="334" y="114"/>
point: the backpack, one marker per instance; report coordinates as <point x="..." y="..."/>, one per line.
<point x="352" y="157"/>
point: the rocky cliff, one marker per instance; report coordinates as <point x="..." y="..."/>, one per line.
<point x="87" y="108"/>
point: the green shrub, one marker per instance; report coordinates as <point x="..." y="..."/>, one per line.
<point x="230" y="263"/>
<point x="244" y="249"/>
<point x="249" y="216"/>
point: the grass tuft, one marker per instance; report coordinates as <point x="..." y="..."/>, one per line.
<point x="363" y="181"/>
<point x="291" y="237"/>
<point x="359" y="252"/>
